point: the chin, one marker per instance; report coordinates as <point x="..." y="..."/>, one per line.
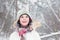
<point x="24" y="25"/>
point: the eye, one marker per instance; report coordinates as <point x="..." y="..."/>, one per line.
<point x="21" y="17"/>
<point x="27" y="17"/>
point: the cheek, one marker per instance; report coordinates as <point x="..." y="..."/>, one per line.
<point x="27" y="20"/>
<point x="21" y="20"/>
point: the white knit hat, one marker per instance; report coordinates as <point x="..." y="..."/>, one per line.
<point x="20" y="12"/>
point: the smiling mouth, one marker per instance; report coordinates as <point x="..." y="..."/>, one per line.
<point x="24" y="21"/>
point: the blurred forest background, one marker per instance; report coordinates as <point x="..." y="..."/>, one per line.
<point x="46" y="11"/>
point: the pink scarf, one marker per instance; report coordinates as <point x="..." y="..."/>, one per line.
<point x="22" y="32"/>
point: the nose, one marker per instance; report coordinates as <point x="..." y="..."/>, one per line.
<point x="24" y="18"/>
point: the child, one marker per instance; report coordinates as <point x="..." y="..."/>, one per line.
<point x="25" y="29"/>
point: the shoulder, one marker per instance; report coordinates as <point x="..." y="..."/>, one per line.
<point x="34" y="35"/>
<point x="14" y="33"/>
<point x="14" y="36"/>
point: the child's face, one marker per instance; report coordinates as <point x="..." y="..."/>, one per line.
<point x="24" y="20"/>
